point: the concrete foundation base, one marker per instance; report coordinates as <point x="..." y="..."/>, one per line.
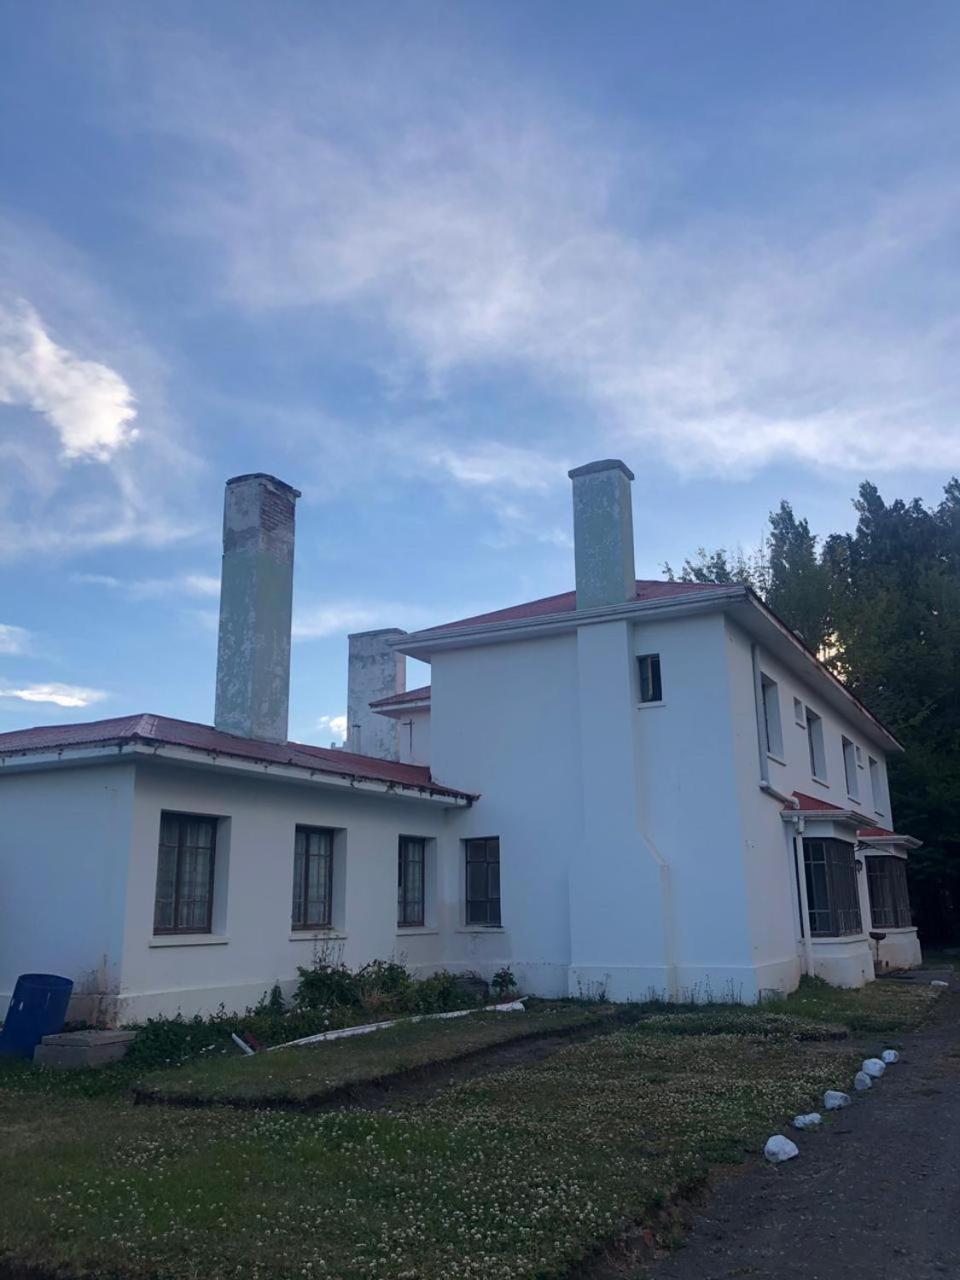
<point x="73" y="1050"/>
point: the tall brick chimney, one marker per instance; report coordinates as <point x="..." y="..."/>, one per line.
<point x="603" y="533"/>
<point x="256" y="604"/>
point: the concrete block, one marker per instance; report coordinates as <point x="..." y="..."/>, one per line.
<point x="73" y="1050"/>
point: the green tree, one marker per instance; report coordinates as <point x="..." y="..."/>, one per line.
<point x="799" y="586"/>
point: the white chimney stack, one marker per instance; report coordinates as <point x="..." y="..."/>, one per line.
<point x="374" y="670"/>
<point x="256" y="604"/>
<point x="603" y="533"/>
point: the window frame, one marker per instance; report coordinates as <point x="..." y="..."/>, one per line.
<point x="650" y="678"/>
<point x="489" y="898"/>
<point x="799" y="713"/>
<point x="887" y="878"/>
<point x="404" y="845"/>
<point x="305" y="925"/>
<point x="181" y="820"/>
<point x="876" y="783"/>
<point x="850" y="778"/>
<point x="772" y="722"/>
<point x="833" y="897"/>
<point x="816" y="745"/>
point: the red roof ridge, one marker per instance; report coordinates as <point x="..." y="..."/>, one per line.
<point x="202" y="737"/>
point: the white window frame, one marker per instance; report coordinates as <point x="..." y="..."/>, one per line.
<point x="799" y="715"/>
<point x="816" y="746"/>
<point x="876" y="783"/>
<point x="772" y="724"/>
<point x="851" y="781"/>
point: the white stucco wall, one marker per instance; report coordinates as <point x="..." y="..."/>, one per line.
<point x="252" y="944"/>
<point x="64" y="834"/>
<point x="414" y="731"/>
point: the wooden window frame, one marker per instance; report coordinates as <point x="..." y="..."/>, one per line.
<point x="405" y="845"/>
<point x="840" y="915"/>
<point x="486" y="845"/>
<point x="181" y="820"/>
<point x="306" y="925"/>
<point x="649" y="677"/>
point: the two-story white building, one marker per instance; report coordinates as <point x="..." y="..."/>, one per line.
<point x="634" y="788"/>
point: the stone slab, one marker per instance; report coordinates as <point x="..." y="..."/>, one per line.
<point x="76" y="1050"/>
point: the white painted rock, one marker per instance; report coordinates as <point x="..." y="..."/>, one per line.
<point x="938" y="982"/>
<point x="833" y="1100"/>
<point x="861" y="1081"/>
<point x="810" y="1121"/>
<point x="890" y="1055"/>
<point x="779" y="1148"/>
<point x="874" y="1067"/>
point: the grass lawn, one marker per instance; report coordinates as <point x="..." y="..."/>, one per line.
<point x="312" y="1072"/>
<point x="511" y="1175"/>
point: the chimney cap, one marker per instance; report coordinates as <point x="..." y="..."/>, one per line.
<point x="605" y="464"/>
<point x="265" y="475"/>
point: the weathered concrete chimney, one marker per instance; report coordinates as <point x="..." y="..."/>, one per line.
<point x="374" y="670"/>
<point x="256" y="603"/>
<point x="603" y="533"/>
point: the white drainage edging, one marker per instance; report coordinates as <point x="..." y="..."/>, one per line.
<point x="512" y="1006"/>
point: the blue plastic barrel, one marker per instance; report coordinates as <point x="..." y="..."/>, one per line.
<point x="38" y="1008"/>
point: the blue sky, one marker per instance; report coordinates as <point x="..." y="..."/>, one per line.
<point x="418" y="260"/>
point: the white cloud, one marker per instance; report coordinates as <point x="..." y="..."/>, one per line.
<point x="13" y="640"/>
<point x="59" y="695"/>
<point x="88" y="404"/>
<point x="336" y="725"/>
<point x="502" y="233"/>
<point x="184" y="584"/>
<point x="317" y="622"/>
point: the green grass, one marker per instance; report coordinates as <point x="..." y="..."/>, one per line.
<point x="507" y="1176"/>
<point x="314" y="1071"/>
<point x="879" y="1006"/>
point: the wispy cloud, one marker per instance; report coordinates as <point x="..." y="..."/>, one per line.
<point x="335" y="725"/>
<point x="14" y="640"/>
<point x="181" y="585"/>
<point x="59" y="695"/>
<point x="317" y="622"/>
<point x="490" y="238"/>
<point x="88" y="404"/>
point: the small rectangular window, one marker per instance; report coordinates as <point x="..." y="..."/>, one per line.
<point x="483" y="881"/>
<point x="313" y="878"/>
<point x="832" y="897"/>
<point x="773" y="733"/>
<point x="651" y="689"/>
<point x="889" y="897"/>
<point x="185" y="866"/>
<point x="850" y="769"/>
<point x="411" y="860"/>
<point x="876" y="784"/>
<point x="818" y="758"/>
<point x="798" y="713"/>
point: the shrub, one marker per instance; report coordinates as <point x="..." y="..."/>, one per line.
<point x="504" y="983"/>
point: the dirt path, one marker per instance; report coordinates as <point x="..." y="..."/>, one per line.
<point x="875" y="1194"/>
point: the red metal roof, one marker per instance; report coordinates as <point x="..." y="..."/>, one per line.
<point x="401" y="699"/>
<point x="566" y="602"/>
<point x="202" y="737"/>
<point x="869" y="833"/>
<point x="812" y="804"/>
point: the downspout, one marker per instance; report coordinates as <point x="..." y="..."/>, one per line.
<point x="801" y="874"/>
<point x="666" y="905"/>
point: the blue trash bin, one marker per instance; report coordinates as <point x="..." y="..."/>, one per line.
<point x="38" y="1008"/>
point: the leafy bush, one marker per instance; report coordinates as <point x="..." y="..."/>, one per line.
<point x="382" y="987"/>
<point x="504" y="983"/>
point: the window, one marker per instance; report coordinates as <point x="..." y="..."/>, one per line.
<point x="818" y="759"/>
<point x="850" y="769"/>
<point x="798" y="713"/>
<point x="184" y="901"/>
<point x="876" y="784"/>
<point x="832" y="897"/>
<point x="483" y="881"/>
<point x="313" y="878"/>
<point x="650" y="688"/>
<point x="773" y="733"/>
<point x="411" y="860"/>
<point x="889" y="898"/>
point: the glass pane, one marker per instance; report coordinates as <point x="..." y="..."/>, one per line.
<point x="163" y="914"/>
<point x="298" y="871"/>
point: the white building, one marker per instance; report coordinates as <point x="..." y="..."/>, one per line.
<point x="635" y="787"/>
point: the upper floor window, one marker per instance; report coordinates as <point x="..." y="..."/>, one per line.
<point x="651" y="690"/>
<point x="889" y="898"/>
<point x="483" y="881"/>
<point x="185" y="865"/>
<point x="799" y="714"/>
<point x="411" y="860"/>
<point x="833" y="900"/>
<point x="772" y="730"/>
<point x="818" y="757"/>
<point x="876" y="783"/>
<point x="313" y="878"/>
<point x="850" y="769"/>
